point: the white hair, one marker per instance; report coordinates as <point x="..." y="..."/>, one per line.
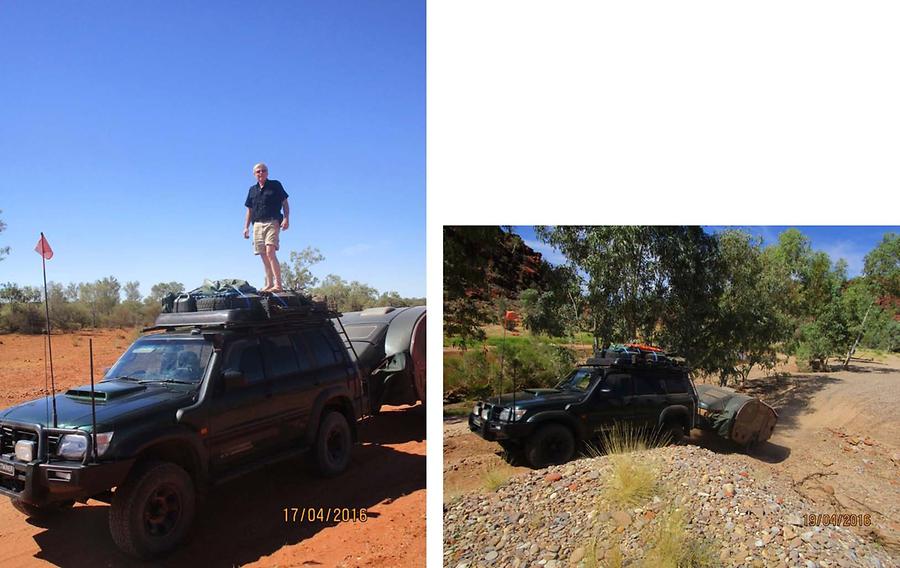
<point x="260" y="165"/>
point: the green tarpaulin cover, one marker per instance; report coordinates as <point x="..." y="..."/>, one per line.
<point x="723" y="404"/>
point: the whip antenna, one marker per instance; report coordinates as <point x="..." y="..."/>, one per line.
<point x="93" y="400"/>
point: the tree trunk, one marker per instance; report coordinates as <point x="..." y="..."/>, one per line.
<point x="862" y="329"/>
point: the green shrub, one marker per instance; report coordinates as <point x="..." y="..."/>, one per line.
<point x="526" y="362"/>
<point x="23" y="318"/>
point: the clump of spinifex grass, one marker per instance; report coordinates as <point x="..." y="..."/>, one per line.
<point x="674" y="547"/>
<point x="495" y="478"/>
<point x="625" y="438"/>
<point x="631" y="480"/>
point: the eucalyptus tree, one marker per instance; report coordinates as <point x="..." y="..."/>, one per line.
<point x="652" y="283"/>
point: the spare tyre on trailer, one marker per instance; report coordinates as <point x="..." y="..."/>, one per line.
<point x="739" y="417"/>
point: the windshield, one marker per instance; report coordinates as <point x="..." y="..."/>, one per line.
<point x="579" y="379"/>
<point x="166" y="360"/>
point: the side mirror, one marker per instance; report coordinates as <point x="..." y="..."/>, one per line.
<point x="234" y="379"/>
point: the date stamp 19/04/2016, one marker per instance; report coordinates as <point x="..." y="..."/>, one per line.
<point x="325" y="515"/>
<point x="837" y="519"/>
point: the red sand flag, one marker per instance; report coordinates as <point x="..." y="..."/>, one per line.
<point x="43" y="248"/>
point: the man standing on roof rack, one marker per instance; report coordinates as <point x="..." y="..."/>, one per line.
<point x="264" y="203"/>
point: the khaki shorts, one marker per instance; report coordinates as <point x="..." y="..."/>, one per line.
<point x="265" y="233"/>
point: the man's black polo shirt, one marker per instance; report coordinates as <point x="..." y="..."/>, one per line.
<point x="265" y="203"/>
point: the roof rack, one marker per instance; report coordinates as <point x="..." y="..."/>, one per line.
<point x="246" y="318"/>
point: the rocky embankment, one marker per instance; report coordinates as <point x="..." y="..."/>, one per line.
<point x="702" y="505"/>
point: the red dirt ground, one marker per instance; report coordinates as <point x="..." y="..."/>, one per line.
<point x="241" y="522"/>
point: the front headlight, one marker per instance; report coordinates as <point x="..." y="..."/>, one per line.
<point x="72" y="447"/>
<point x="511" y="414"/>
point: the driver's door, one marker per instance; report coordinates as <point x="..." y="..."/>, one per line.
<point x="241" y="424"/>
<point x="611" y="401"/>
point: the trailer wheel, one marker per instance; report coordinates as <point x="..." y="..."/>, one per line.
<point x="43" y="511"/>
<point x="153" y="510"/>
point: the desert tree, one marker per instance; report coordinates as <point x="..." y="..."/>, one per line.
<point x="296" y="273"/>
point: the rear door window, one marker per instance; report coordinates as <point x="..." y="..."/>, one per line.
<point x="649" y="384"/>
<point x="304" y="353"/>
<point x="619" y="384"/>
<point x="676" y="383"/>
<point x="278" y="355"/>
<point x="322" y="350"/>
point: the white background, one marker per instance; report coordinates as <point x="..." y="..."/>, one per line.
<point x="711" y="112"/>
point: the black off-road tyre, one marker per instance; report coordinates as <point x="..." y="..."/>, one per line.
<point x="42" y="512"/>
<point x="674" y="433"/>
<point x="552" y="444"/>
<point x="153" y="510"/>
<point x="250" y="302"/>
<point x="334" y="443"/>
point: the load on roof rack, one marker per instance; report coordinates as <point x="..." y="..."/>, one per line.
<point x="266" y="313"/>
<point x="631" y="354"/>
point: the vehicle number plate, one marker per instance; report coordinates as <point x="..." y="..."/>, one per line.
<point x="7" y="468"/>
<point x="476" y="420"/>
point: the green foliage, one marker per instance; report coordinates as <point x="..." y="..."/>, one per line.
<point x="22" y="318"/>
<point x="641" y="280"/>
<point x="296" y="274"/>
<point x="160" y="290"/>
<point x="827" y="335"/>
<point x="541" y="312"/>
<point x="350" y="297"/>
<point x="11" y="293"/>
<point x="526" y="363"/>
<point x="747" y="324"/>
<point x="882" y="265"/>
<point x="101" y="296"/>
<point x="468" y="375"/>
<point x="132" y="291"/>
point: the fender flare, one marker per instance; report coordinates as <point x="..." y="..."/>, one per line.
<point x="339" y="395"/>
<point x="560" y="417"/>
<point x="178" y="435"/>
<point x="676" y="412"/>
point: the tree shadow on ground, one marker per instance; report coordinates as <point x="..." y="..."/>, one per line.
<point x="766" y="451"/>
<point x="244" y="520"/>
<point x="789" y="395"/>
<point x="868" y="369"/>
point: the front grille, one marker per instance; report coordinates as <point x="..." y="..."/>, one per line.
<point x="53" y="443"/>
<point x="9" y="435"/>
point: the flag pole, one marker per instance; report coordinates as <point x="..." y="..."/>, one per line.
<point x="47" y="312"/>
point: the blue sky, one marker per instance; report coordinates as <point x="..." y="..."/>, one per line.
<point x="129" y="131"/>
<point x="851" y="243"/>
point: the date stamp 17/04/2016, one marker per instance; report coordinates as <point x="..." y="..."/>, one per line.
<point x="837" y="519"/>
<point x="325" y="515"/>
